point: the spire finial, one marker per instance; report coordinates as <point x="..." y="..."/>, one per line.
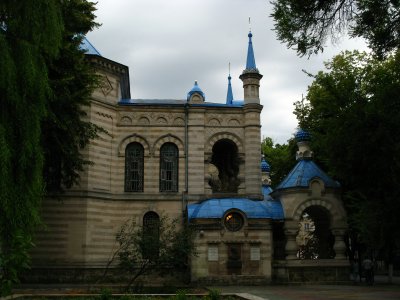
<point x="229" y="73"/>
<point x="249" y="25"/>
<point x="250" y="63"/>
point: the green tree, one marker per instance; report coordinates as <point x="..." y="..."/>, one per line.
<point x="158" y="249"/>
<point x="44" y="80"/>
<point x="281" y="158"/>
<point x="305" y="25"/>
<point x="30" y="35"/>
<point x="72" y="80"/>
<point x="353" y="112"/>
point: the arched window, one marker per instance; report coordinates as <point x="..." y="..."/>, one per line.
<point x="169" y="168"/>
<point x="134" y="168"/>
<point x="151" y="235"/>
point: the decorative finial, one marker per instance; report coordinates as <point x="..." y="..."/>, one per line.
<point x="249" y="25"/>
<point x="229" y="74"/>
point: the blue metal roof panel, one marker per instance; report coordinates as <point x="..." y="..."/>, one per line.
<point x="160" y="102"/>
<point x="216" y="208"/>
<point x="88" y="47"/>
<point x="301" y="175"/>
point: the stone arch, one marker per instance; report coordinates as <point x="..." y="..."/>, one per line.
<point x="162" y="121"/>
<point x="334" y="213"/>
<point x="130" y="139"/>
<point x="224" y="135"/>
<point x="233" y="122"/>
<point x="214" y="122"/>
<point x="169" y="138"/>
<point x="126" y="120"/>
<point x="144" y="121"/>
<point x="179" y="121"/>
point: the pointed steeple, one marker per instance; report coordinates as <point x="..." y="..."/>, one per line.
<point x="229" y="94"/>
<point x="251" y="76"/>
<point x="250" y="62"/>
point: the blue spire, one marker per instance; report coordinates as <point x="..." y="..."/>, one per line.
<point x="251" y="62"/>
<point x="229" y="95"/>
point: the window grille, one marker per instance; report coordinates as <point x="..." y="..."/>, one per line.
<point x="134" y="168"/>
<point x="169" y="168"/>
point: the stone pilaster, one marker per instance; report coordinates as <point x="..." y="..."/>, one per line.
<point x="291" y="248"/>
<point x="339" y="246"/>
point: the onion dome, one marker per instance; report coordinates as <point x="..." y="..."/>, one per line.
<point x="195" y="89"/>
<point x="265" y="167"/>
<point x="302" y="136"/>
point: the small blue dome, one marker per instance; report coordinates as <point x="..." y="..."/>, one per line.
<point x="195" y="89"/>
<point x="250" y="35"/>
<point x="265" y="167"/>
<point x="302" y="136"/>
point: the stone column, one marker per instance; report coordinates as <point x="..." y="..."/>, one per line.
<point x="291" y="248"/>
<point x="339" y="246"/>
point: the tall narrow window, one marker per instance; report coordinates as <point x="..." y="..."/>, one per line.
<point x="134" y="168"/>
<point x="151" y="235"/>
<point x="169" y="168"/>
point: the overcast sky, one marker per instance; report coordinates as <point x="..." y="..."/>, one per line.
<point x="167" y="45"/>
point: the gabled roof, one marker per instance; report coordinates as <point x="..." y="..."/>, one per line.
<point x="301" y="175"/>
<point x="253" y="209"/>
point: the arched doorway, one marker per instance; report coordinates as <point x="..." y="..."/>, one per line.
<point x="315" y="238"/>
<point x="225" y="158"/>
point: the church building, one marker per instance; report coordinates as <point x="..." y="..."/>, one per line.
<point x="200" y="162"/>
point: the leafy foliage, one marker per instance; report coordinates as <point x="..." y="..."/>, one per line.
<point x="65" y="132"/>
<point x="30" y="34"/>
<point x="142" y="252"/>
<point x="353" y="112"/>
<point x="306" y="25"/>
<point x="43" y="83"/>
<point x="281" y="158"/>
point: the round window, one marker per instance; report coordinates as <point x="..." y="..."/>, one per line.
<point x="234" y="221"/>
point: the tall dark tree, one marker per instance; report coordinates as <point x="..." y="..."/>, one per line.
<point x="30" y="35"/>
<point x="65" y="132"/>
<point x="44" y="80"/>
<point x="353" y="113"/>
<point x="305" y="25"/>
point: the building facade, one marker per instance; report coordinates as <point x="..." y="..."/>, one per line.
<point x="196" y="161"/>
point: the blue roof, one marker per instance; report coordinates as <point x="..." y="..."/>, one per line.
<point x="229" y="94"/>
<point x="175" y="102"/>
<point x="253" y="209"/>
<point x="301" y="175"/>
<point x="195" y="89"/>
<point x="88" y="47"/>
<point x="250" y="62"/>
<point x="266" y="190"/>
